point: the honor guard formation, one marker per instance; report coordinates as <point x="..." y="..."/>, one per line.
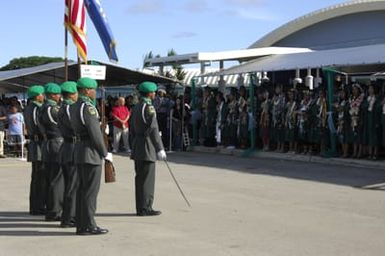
<point x="66" y="149"/>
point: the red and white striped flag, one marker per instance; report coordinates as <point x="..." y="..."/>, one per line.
<point x="75" y="21"/>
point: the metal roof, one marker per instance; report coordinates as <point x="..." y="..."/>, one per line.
<point x="237" y="55"/>
<point x="212" y="81"/>
<point x="19" y="79"/>
<point x="355" y="56"/>
<point x="312" y="18"/>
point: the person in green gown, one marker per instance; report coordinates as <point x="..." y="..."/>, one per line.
<point x="290" y="121"/>
<point x="278" y="117"/>
<point x="243" y="131"/>
<point x="355" y="112"/>
<point x="371" y="126"/>
<point x="303" y="122"/>
<point x="343" y="122"/>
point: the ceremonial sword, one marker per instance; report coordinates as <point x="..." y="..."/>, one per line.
<point x="177" y="184"/>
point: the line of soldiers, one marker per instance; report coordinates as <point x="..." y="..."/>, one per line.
<point x="66" y="150"/>
<point x="296" y="121"/>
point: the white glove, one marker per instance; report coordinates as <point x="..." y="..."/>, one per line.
<point x="162" y="155"/>
<point x="109" y="157"/>
<point x="107" y="130"/>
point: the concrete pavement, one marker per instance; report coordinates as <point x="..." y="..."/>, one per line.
<point x="240" y="206"/>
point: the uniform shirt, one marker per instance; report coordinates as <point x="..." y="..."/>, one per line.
<point x="48" y="119"/>
<point x="65" y="127"/>
<point x="145" y="132"/>
<point x="64" y="120"/>
<point x="86" y="124"/>
<point x="31" y="113"/>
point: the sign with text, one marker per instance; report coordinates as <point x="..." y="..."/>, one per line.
<point x="96" y="72"/>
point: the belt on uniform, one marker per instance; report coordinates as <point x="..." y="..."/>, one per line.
<point x="52" y="137"/>
<point x="37" y="138"/>
<point x="81" y="138"/>
<point x="70" y="139"/>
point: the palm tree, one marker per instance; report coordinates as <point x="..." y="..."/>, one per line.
<point x="147" y="56"/>
<point x="179" y="73"/>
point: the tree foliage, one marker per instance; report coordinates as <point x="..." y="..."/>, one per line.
<point x="177" y="71"/>
<point x="32" y="61"/>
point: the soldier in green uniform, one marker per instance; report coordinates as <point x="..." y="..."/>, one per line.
<point x="70" y="96"/>
<point x="37" y="196"/>
<point x="147" y="145"/>
<point x="48" y="119"/>
<point x="89" y="153"/>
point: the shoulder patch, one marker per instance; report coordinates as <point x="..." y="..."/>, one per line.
<point x="55" y="109"/>
<point x="92" y="110"/>
<point x="151" y="110"/>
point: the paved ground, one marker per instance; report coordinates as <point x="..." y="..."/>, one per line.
<point x="240" y="206"/>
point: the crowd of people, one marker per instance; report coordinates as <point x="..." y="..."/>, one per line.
<point x="295" y="120"/>
<point x="285" y="120"/>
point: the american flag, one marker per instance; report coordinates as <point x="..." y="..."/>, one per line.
<point x="75" y="21"/>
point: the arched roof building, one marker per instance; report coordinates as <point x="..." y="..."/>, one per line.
<point x="350" y="24"/>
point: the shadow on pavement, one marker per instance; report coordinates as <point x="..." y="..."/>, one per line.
<point x="28" y="225"/>
<point x="19" y="217"/>
<point x="363" y="178"/>
<point x="22" y="220"/>
<point x="115" y="214"/>
<point x="34" y="233"/>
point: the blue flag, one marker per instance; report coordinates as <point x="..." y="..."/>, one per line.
<point x="98" y="17"/>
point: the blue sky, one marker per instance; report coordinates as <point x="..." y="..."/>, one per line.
<point x="140" y="26"/>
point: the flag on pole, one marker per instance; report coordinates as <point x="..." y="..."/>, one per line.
<point x="75" y="21"/>
<point x="98" y="17"/>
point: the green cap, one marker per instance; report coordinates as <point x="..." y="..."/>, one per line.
<point x="86" y="82"/>
<point x="34" y="91"/>
<point x="147" y="87"/>
<point x="69" y="87"/>
<point x="52" y="88"/>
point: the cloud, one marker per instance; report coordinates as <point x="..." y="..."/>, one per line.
<point x="184" y="34"/>
<point x="146" y="6"/>
<point x="252" y="14"/>
<point x="245" y="3"/>
<point x="196" y="6"/>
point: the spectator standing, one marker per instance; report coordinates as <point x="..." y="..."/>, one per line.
<point x="3" y="118"/>
<point x="16" y="127"/>
<point x="121" y="115"/>
<point x="162" y="106"/>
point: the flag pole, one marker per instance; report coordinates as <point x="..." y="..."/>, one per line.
<point x="79" y="62"/>
<point x="66" y="53"/>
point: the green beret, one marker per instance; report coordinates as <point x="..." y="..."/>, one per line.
<point x="86" y="82"/>
<point x="34" y="91"/>
<point x="147" y="87"/>
<point x="69" y="87"/>
<point x="52" y="88"/>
